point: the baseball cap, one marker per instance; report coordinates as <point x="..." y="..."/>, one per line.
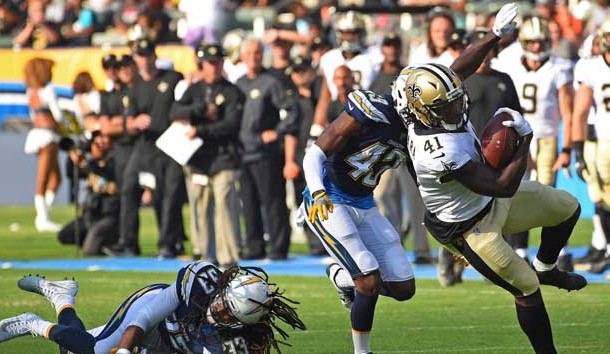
<point x="391" y="39"/>
<point x="109" y="61"/>
<point x="144" y="47"/>
<point x="301" y="64"/>
<point x="209" y="52"/>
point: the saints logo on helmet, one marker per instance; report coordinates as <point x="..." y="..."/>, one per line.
<point x="535" y="30"/>
<point x="435" y="96"/>
<point x="350" y="32"/>
<point x="604" y="36"/>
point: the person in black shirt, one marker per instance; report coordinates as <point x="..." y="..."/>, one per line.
<point x="214" y="108"/>
<point x="488" y="89"/>
<point x="344" y="80"/>
<point x="150" y="100"/>
<point x="391" y="49"/>
<point x="269" y="117"/>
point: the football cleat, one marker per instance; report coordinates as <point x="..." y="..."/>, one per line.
<point x="18" y="326"/>
<point x="59" y="293"/>
<point x="593" y="255"/>
<point x="346" y="294"/>
<point x="562" y="280"/>
<point x="601" y="266"/>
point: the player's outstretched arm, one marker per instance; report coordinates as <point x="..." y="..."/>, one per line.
<point x="468" y="62"/>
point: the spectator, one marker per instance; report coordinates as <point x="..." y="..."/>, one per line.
<point x="11" y="17"/>
<point x="343" y="79"/>
<point x="269" y="117"/>
<point x="113" y="119"/>
<point x="86" y="101"/>
<point x="440" y="25"/>
<point x="43" y="138"/>
<point x="562" y="47"/>
<point x="391" y="49"/>
<point x="99" y="224"/>
<point x="319" y="47"/>
<point x="280" y="50"/>
<point x="455" y="46"/>
<point x="303" y="76"/>
<point x="150" y="99"/>
<point x="80" y="24"/>
<point x="110" y="64"/>
<point x="37" y="32"/>
<point x="214" y="108"/>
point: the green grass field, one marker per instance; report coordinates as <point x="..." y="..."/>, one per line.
<point x="470" y="318"/>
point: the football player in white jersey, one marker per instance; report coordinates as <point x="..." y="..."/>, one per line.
<point x="593" y="78"/>
<point x="343" y="168"/>
<point x="470" y="205"/>
<point x="544" y="84"/>
<point x="364" y="62"/>
<point x="204" y="311"/>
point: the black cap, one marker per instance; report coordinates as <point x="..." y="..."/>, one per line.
<point x="125" y="60"/>
<point x="144" y="47"/>
<point x="391" y="39"/>
<point x="301" y="64"/>
<point x="320" y="43"/>
<point x="209" y="52"/>
<point x="457" y="38"/>
<point x="109" y="61"/>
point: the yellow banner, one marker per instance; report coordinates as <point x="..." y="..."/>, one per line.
<point x="69" y="62"/>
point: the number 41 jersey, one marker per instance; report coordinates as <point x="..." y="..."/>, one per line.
<point x="381" y="144"/>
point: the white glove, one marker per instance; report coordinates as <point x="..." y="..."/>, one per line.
<point x="505" y="20"/>
<point x="518" y="123"/>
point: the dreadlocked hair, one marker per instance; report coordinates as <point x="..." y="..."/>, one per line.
<point x="261" y="336"/>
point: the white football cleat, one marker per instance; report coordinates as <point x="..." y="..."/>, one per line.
<point x="59" y="293"/>
<point x="46" y="225"/>
<point x="18" y="326"/>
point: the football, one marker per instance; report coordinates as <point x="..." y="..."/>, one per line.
<point x="499" y="142"/>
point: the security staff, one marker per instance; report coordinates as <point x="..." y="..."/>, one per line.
<point x="269" y="118"/>
<point x="150" y="100"/>
<point x="113" y="119"/>
<point x="213" y="107"/>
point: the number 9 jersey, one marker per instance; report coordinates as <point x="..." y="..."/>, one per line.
<point x="354" y="171"/>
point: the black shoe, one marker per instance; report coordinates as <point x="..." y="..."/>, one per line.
<point x="562" y="280"/>
<point x="180" y="251"/>
<point x="565" y="263"/>
<point x="593" y="255"/>
<point x="600" y="266"/>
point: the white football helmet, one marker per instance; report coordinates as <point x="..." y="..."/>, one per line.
<point x="350" y="22"/>
<point x="232" y="42"/>
<point x="536" y="29"/>
<point x="243" y="302"/>
<point x="399" y="89"/>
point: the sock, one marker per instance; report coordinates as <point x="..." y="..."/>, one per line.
<point x="68" y="317"/>
<point x="41" y="207"/>
<point x="74" y="339"/>
<point x="363" y="311"/>
<point x="535" y="323"/>
<point x="554" y="238"/>
<point x="521" y="252"/>
<point x="542" y="267"/>
<point x="41" y="328"/>
<point x="49" y="198"/>
<point x="598" y="239"/>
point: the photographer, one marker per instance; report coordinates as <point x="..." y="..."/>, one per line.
<point x="214" y="107"/>
<point x="99" y="223"/>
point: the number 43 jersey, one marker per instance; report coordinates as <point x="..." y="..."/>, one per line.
<point x="436" y="153"/>
<point x="353" y="172"/>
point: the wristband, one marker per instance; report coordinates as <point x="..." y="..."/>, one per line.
<point x="566" y="150"/>
<point x="123" y="351"/>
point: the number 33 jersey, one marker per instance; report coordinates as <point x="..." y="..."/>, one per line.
<point x="595" y="74"/>
<point x="355" y="170"/>
<point x="436" y="153"/>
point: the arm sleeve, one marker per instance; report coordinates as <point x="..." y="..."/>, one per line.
<point x="231" y="122"/>
<point x="287" y="107"/>
<point x="313" y="166"/>
<point x="155" y="310"/>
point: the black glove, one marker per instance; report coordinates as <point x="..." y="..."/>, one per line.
<point x="580" y="165"/>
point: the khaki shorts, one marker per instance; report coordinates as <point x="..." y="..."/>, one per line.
<point x="544" y="153"/>
<point x="597" y="158"/>
<point x="534" y="205"/>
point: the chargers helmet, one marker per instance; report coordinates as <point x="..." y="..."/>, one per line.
<point x="436" y="97"/>
<point x="536" y="29"/>
<point x="399" y="95"/>
<point x="244" y="301"/>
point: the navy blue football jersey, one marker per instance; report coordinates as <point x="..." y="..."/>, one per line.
<point x="381" y="144"/>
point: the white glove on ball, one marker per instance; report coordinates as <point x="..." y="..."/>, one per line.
<point x="518" y="123"/>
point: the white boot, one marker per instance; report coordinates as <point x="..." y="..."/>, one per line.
<point x="42" y="222"/>
<point x="49" y="199"/>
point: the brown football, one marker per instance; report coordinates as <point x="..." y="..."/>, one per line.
<point x="498" y="142"/>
